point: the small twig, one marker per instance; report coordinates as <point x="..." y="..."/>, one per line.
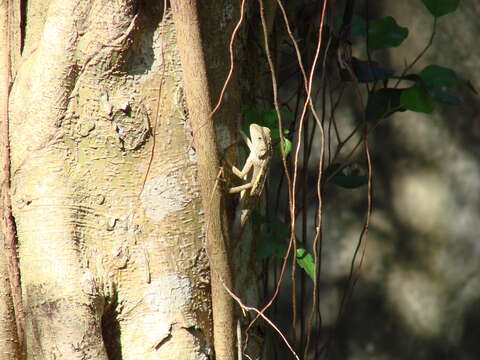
<point x="239" y="341"/>
<point x="419" y="56"/>
<point x="260" y="313"/>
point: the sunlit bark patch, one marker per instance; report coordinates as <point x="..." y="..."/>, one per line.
<point x="165" y="194"/>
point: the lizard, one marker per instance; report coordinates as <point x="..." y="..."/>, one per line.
<point x="254" y="172"/>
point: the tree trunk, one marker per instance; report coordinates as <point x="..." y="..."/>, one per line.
<point x="11" y="321"/>
<point x="200" y="107"/>
<point x="109" y="217"/>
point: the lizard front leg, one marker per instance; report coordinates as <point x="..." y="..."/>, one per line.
<point x="246" y="169"/>
<point x="242" y="175"/>
<point x="237" y="189"/>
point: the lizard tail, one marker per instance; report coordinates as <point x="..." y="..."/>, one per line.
<point x="239" y="223"/>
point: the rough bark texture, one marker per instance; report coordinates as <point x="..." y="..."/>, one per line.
<point x="102" y="243"/>
<point x="11" y="310"/>
<point x="9" y="346"/>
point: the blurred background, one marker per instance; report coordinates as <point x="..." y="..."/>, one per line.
<point x="417" y="292"/>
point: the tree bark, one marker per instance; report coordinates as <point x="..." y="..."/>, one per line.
<point x="110" y="221"/>
<point x="12" y="321"/>
<point x="199" y="102"/>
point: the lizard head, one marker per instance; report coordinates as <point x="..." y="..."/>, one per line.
<point x="261" y="139"/>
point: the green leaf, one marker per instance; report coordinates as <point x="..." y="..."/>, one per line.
<point x="383" y="103"/>
<point x="418" y="99"/>
<point x="438" y="76"/>
<point x="429" y="85"/>
<point x="384" y="33"/>
<point x="345" y="176"/>
<point x="305" y="261"/>
<point x="287" y="146"/>
<point x="366" y="71"/>
<point x="444" y="97"/>
<point x="349" y="181"/>
<point x="441" y="7"/>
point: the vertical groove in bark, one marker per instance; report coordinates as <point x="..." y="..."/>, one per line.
<point x="199" y="105"/>
<point x="7" y="221"/>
